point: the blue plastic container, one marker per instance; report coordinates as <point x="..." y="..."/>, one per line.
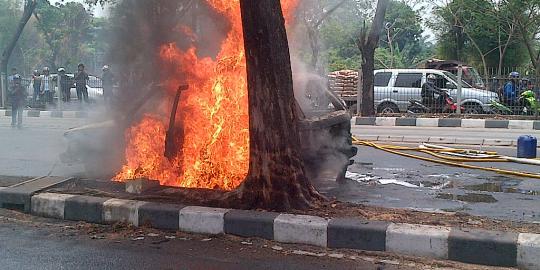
<point x="527" y="146"/>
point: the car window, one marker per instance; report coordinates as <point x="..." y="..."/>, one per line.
<point x="409" y="80"/>
<point x="442" y="82"/>
<point x="382" y="78"/>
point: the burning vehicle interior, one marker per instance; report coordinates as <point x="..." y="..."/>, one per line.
<point x="186" y="121"/>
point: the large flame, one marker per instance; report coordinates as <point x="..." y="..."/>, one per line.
<point x="213" y="114"/>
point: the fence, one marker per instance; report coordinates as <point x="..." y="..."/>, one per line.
<point x="94" y="86"/>
<point x="408" y="91"/>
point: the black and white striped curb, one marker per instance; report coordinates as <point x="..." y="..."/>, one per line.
<point x="48" y="114"/>
<point x="438" y="140"/>
<point x="470" y="246"/>
<point x="448" y="122"/>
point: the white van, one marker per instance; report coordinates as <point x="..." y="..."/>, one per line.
<point x="394" y="88"/>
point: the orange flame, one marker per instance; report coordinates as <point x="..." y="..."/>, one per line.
<point x="213" y="114"/>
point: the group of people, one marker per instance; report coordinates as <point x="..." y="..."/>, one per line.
<point x="45" y="85"/>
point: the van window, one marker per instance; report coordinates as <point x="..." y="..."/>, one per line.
<point x="382" y="78"/>
<point x="411" y="80"/>
<point x="442" y="82"/>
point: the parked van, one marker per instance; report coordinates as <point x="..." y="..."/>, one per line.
<point x="395" y="87"/>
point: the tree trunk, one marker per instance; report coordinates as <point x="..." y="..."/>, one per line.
<point x="29" y="7"/>
<point x="276" y="178"/>
<point x="367" y="46"/>
<point x="368" y="66"/>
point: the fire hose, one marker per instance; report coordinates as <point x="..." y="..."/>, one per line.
<point x="454" y="157"/>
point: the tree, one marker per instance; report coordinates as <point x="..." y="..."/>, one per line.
<point x="29" y="6"/>
<point x="276" y="178"/>
<point x="527" y="17"/>
<point x="403" y="35"/>
<point x="481" y="31"/>
<point x="314" y="14"/>
<point x="64" y="23"/>
<point x="367" y="43"/>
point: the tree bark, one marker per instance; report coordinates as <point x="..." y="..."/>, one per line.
<point x="29" y="7"/>
<point x="367" y="46"/>
<point x="276" y="179"/>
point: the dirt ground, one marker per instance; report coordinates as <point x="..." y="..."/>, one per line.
<point x="329" y="209"/>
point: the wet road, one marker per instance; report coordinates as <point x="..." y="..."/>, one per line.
<point x="433" y="187"/>
<point x="36" y="243"/>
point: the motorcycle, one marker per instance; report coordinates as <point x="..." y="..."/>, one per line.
<point x="443" y="104"/>
<point x="527" y="104"/>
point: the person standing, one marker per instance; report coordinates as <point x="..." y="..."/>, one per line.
<point x="65" y="83"/>
<point x="107" y="79"/>
<point x="47" y="86"/>
<point x="36" y="78"/>
<point x="10" y="78"/>
<point x="510" y="89"/>
<point x="18" y="100"/>
<point x="81" y="78"/>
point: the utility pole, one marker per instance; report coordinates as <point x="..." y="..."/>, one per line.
<point x="459" y="88"/>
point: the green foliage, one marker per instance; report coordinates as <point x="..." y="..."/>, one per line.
<point x="466" y="27"/>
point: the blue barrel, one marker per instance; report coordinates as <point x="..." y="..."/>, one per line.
<point x="527" y="146"/>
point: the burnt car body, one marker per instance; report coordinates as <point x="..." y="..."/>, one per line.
<point x="326" y="145"/>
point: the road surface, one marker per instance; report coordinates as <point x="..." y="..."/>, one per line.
<point x="37" y="243"/>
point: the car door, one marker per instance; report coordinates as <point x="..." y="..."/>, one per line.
<point x="382" y="79"/>
<point x="407" y="86"/>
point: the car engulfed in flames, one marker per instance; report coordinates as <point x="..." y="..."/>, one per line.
<point x="212" y="124"/>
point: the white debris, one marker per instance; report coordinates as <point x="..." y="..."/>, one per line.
<point x="362" y="178"/>
<point x="278" y="248"/>
<point x="336" y="255"/>
<point x="171" y="237"/>
<point x="396" y="182"/>
<point x="153" y="235"/>
<point x="307" y="253"/>
<point x="138" y="238"/>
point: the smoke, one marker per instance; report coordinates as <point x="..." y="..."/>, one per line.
<point x="140" y="29"/>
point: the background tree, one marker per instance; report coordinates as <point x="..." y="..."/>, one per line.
<point x="527" y="17"/>
<point x="313" y="14"/>
<point x="29" y="6"/>
<point x="479" y="32"/>
<point x="367" y="42"/>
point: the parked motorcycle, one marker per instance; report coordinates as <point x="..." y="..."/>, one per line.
<point x="443" y="104"/>
<point x="527" y="104"/>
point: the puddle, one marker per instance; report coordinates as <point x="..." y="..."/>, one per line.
<point x="501" y="188"/>
<point x="469" y="197"/>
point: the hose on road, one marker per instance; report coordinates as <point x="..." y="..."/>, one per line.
<point x="441" y="158"/>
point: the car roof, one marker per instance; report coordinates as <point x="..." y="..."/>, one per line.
<point x="411" y="70"/>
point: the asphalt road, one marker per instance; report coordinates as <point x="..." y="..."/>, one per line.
<point x="37" y="243"/>
<point x="34" y="150"/>
<point x="439" y="187"/>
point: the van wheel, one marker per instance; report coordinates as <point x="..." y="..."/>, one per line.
<point x="387" y="108"/>
<point x="473" y="108"/>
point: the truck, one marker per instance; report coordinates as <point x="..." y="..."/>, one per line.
<point x="470" y="74"/>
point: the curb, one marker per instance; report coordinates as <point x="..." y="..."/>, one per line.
<point x="469" y="246"/>
<point x="448" y="122"/>
<point x="438" y="140"/>
<point x="48" y="114"/>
